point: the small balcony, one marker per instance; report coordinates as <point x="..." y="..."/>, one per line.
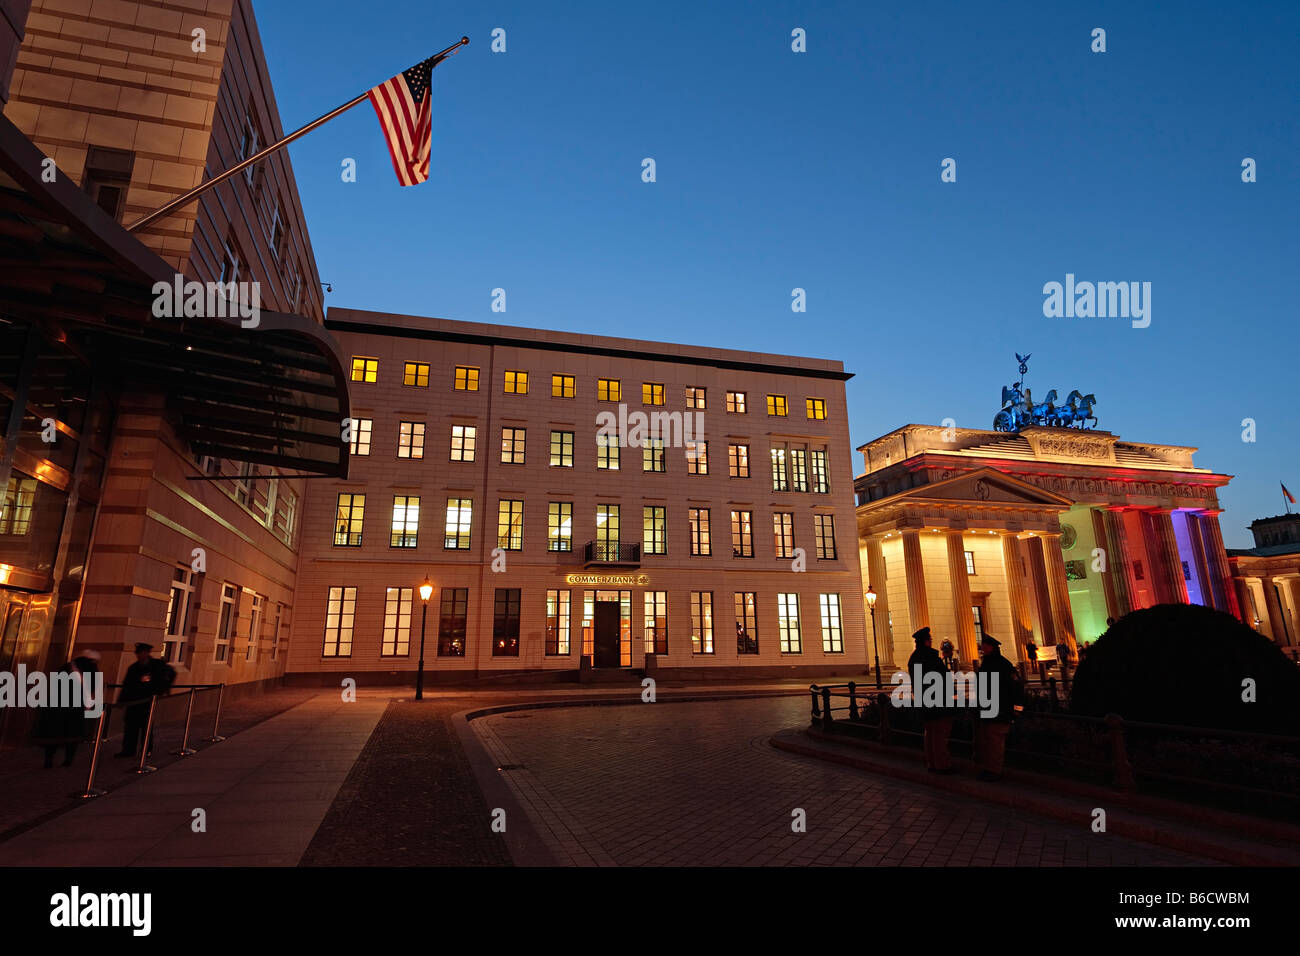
<point x="612" y="554"/>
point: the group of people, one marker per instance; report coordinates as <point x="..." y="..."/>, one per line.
<point x="991" y="725"/>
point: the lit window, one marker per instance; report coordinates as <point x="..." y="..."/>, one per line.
<point x="832" y="635"/>
<point x="656" y="622"/>
<point x="820" y="482"/>
<point x="340" y="615"/>
<point x="406" y="521"/>
<point x="512" y="446"/>
<point x="816" y="408"/>
<point x="742" y="534"/>
<point x="516" y="382"/>
<point x="738" y="461"/>
<point x="736" y="403"/>
<point x="694" y="396"/>
<point x="699" y="522"/>
<point x="464" y="442"/>
<point x="563" y="386"/>
<point x="783" y="534"/>
<point x="702" y="622"/>
<point x="365" y="369"/>
<point x="562" y="449"/>
<point x="510" y="524"/>
<point x="557" y="622"/>
<point x="824" y="526"/>
<point x="178" y="614"/>
<point x="697" y="458"/>
<point x="652" y="393"/>
<point x="361" y="428"/>
<point x="609" y="390"/>
<point x="460" y="512"/>
<point x="787" y="622"/>
<point x="410" y="440"/>
<point x="416" y="374"/>
<point x="559" y="526"/>
<point x="799" y="469"/>
<point x="397" y="622"/>
<point x="746" y="622"/>
<point x="466" y="378"/>
<point x="776" y="405"/>
<point x="607" y="452"/>
<point x="655" y="538"/>
<point x="970" y="562"/>
<point x="227" y="618"/>
<point x="652" y="455"/>
<point x="780" y="481"/>
<point x="347" y="526"/>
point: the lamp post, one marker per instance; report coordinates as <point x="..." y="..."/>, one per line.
<point x="426" y="590"/>
<point x="871" y="603"/>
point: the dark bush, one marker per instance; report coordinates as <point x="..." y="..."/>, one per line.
<point x="1185" y="664"/>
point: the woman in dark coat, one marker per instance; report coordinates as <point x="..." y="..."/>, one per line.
<point x="65" y="726"/>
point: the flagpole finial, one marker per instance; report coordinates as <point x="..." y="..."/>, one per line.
<point x="464" y="40"/>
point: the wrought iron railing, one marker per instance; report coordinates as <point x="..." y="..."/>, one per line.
<point x="613" y="552"/>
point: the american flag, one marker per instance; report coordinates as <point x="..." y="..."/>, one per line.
<point x="402" y="105"/>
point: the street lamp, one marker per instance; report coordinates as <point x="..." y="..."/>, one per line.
<point x="871" y="603"/>
<point x="426" y="590"/>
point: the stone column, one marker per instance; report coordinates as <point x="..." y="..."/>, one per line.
<point x="1059" y="587"/>
<point x="1108" y="576"/>
<point x="1196" y="537"/>
<point x="963" y="617"/>
<point x="1166" y="548"/>
<point x="876" y="579"/>
<point x="918" y="608"/>
<point x="1022" y="618"/>
<point x="1042" y="593"/>
<point x="1119" y="562"/>
<point x="1277" y="626"/>
<point x="1219" y="569"/>
<point x="1293" y="584"/>
<point x="1246" y="613"/>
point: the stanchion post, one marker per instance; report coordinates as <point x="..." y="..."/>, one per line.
<point x="216" y="721"/>
<point x="186" y="749"/>
<point x="90" y="790"/>
<point x="148" y="734"/>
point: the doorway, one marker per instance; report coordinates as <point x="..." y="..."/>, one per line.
<point x="608" y="624"/>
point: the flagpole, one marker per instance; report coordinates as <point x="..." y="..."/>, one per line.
<point x="186" y="198"/>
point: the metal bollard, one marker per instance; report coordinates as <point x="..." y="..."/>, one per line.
<point x="90" y="790"/>
<point x="826" y="706"/>
<point x="216" y="721"/>
<point x="186" y="749"/>
<point x="853" y="701"/>
<point x="816" y="712"/>
<point x="144" y="745"/>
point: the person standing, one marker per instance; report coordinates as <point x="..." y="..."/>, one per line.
<point x="991" y="728"/>
<point x="936" y="720"/>
<point x="63" y="723"/>
<point x="147" y="678"/>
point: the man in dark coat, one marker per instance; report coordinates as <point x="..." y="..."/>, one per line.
<point x="991" y="728"/>
<point x="147" y="678"/>
<point x="936" y="720"/>
<point x="64" y="725"/>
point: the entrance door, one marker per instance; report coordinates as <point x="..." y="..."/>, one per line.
<point x="608" y="622"/>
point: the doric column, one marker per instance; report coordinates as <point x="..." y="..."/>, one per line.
<point x="1108" y="576"/>
<point x="1246" y="610"/>
<point x="1277" y="625"/>
<point x="1119" y="561"/>
<point x="1293" y="584"/>
<point x="918" y="608"/>
<point x="876" y="579"/>
<point x="1058" y="585"/>
<point x="963" y="617"/>
<point x="1022" y="618"/>
<point x="1196" y="538"/>
<point x="1042" y="593"/>
<point x="1162" y="546"/>
<point x="1219" y="569"/>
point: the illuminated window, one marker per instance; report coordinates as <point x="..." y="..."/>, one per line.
<point x="787" y="622"/>
<point x="780" y="481"/>
<point x="832" y="635"/>
<point x="655" y="535"/>
<point x="557" y="622"/>
<point x="656" y="622"/>
<point x="824" y="528"/>
<point x="559" y="526"/>
<point x="340" y="615"/>
<point x="510" y="524"/>
<point x="799" y="469"/>
<point x="16" y="512"/>
<point x="516" y="382"/>
<point x="256" y="611"/>
<point x="820" y="481"/>
<point x="416" y="374"/>
<point x="466" y="378"/>
<point x="776" y="405"/>
<point x="699" y="522"/>
<point x="652" y="455"/>
<point x="460" y="512"/>
<point x="607" y="453"/>
<point x="652" y="393"/>
<point x="512" y="446"/>
<point x="561" y="449"/>
<point x="406" y="521"/>
<point x="227" y="618"/>
<point x="694" y="396"/>
<point x="609" y="390"/>
<point x="738" y="461"/>
<point x="361" y="428"/>
<point x="742" y="534"/>
<point x="746" y="622"/>
<point x="702" y="622"/>
<point x="563" y="386"/>
<point x="607" y="530"/>
<point x="178" y="614"/>
<point x="365" y="369"/>
<point x="464" y="442"/>
<point x="783" y="534"/>
<point x="397" y="622"/>
<point x="697" y="458"/>
<point x="816" y="408"/>
<point x="736" y="403"/>
<point x="410" y="440"/>
<point x="970" y="561"/>
<point x="347" y="525"/>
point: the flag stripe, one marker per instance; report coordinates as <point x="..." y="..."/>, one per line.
<point x="403" y="105"/>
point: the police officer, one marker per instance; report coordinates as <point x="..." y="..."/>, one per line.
<point x="147" y="678"/>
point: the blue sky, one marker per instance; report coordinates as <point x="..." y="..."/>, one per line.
<point x="821" y="170"/>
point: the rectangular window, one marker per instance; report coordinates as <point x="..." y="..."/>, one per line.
<point x="505" y="623"/>
<point x="340" y="615"/>
<point x="697" y="458"/>
<point x="464" y="442"/>
<point x="656" y="622"/>
<point x="738" y="461"/>
<point x="406" y="521"/>
<point x="416" y="374"/>
<point x="510" y="524"/>
<point x="231" y="267"/>
<point x="559" y="526"/>
<point x="824" y="528"/>
<point x="347" y="526"/>
<point x="746" y="622"/>
<point x="780" y="482"/>
<point x="652" y="393"/>
<point x="276" y="234"/>
<point x="783" y="534"/>
<point x="970" y="562"/>
<point x="607" y="453"/>
<point x="563" y="386"/>
<point x="107" y="177"/>
<point x="256" y="610"/>
<point x="512" y="446"/>
<point x="832" y="635"/>
<point x="694" y="396"/>
<point x="609" y="390"/>
<point x="410" y="439"/>
<point x="178" y="614"/>
<point x="365" y="369"/>
<point x="561" y="449"/>
<point x="820" y="481"/>
<point x="652" y="455"/>
<point x="977" y="613"/>
<point x="466" y="379"/>
<point x="275" y="632"/>
<point x="361" y="428"/>
<point x="742" y="534"/>
<point x="16" y="511"/>
<point x="699" y="520"/>
<point x="777" y="405"/>
<point x="397" y="622"/>
<point x="787" y="620"/>
<point x="453" y="615"/>
<point x="655" y="521"/>
<point x="799" y="469"/>
<point x="607" y="528"/>
<point x="516" y="382"/>
<point x="557" y="622"/>
<point x="286" y="513"/>
<point x="736" y="403"/>
<point x="702" y="622"/>
<point x="816" y="408"/>
<point x="460" y="512"/>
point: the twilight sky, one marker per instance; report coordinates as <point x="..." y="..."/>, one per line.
<point x="821" y="170"/>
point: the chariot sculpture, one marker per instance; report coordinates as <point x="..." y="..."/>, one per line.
<point x="1019" y="410"/>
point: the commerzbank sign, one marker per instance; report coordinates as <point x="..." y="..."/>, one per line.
<point x="609" y="580"/>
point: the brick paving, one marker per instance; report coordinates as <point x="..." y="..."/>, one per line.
<point x="698" y="784"/>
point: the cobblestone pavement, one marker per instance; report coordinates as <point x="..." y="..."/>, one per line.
<point x="697" y="784"/>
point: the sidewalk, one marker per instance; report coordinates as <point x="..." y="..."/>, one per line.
<point x="264" y="792"/>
